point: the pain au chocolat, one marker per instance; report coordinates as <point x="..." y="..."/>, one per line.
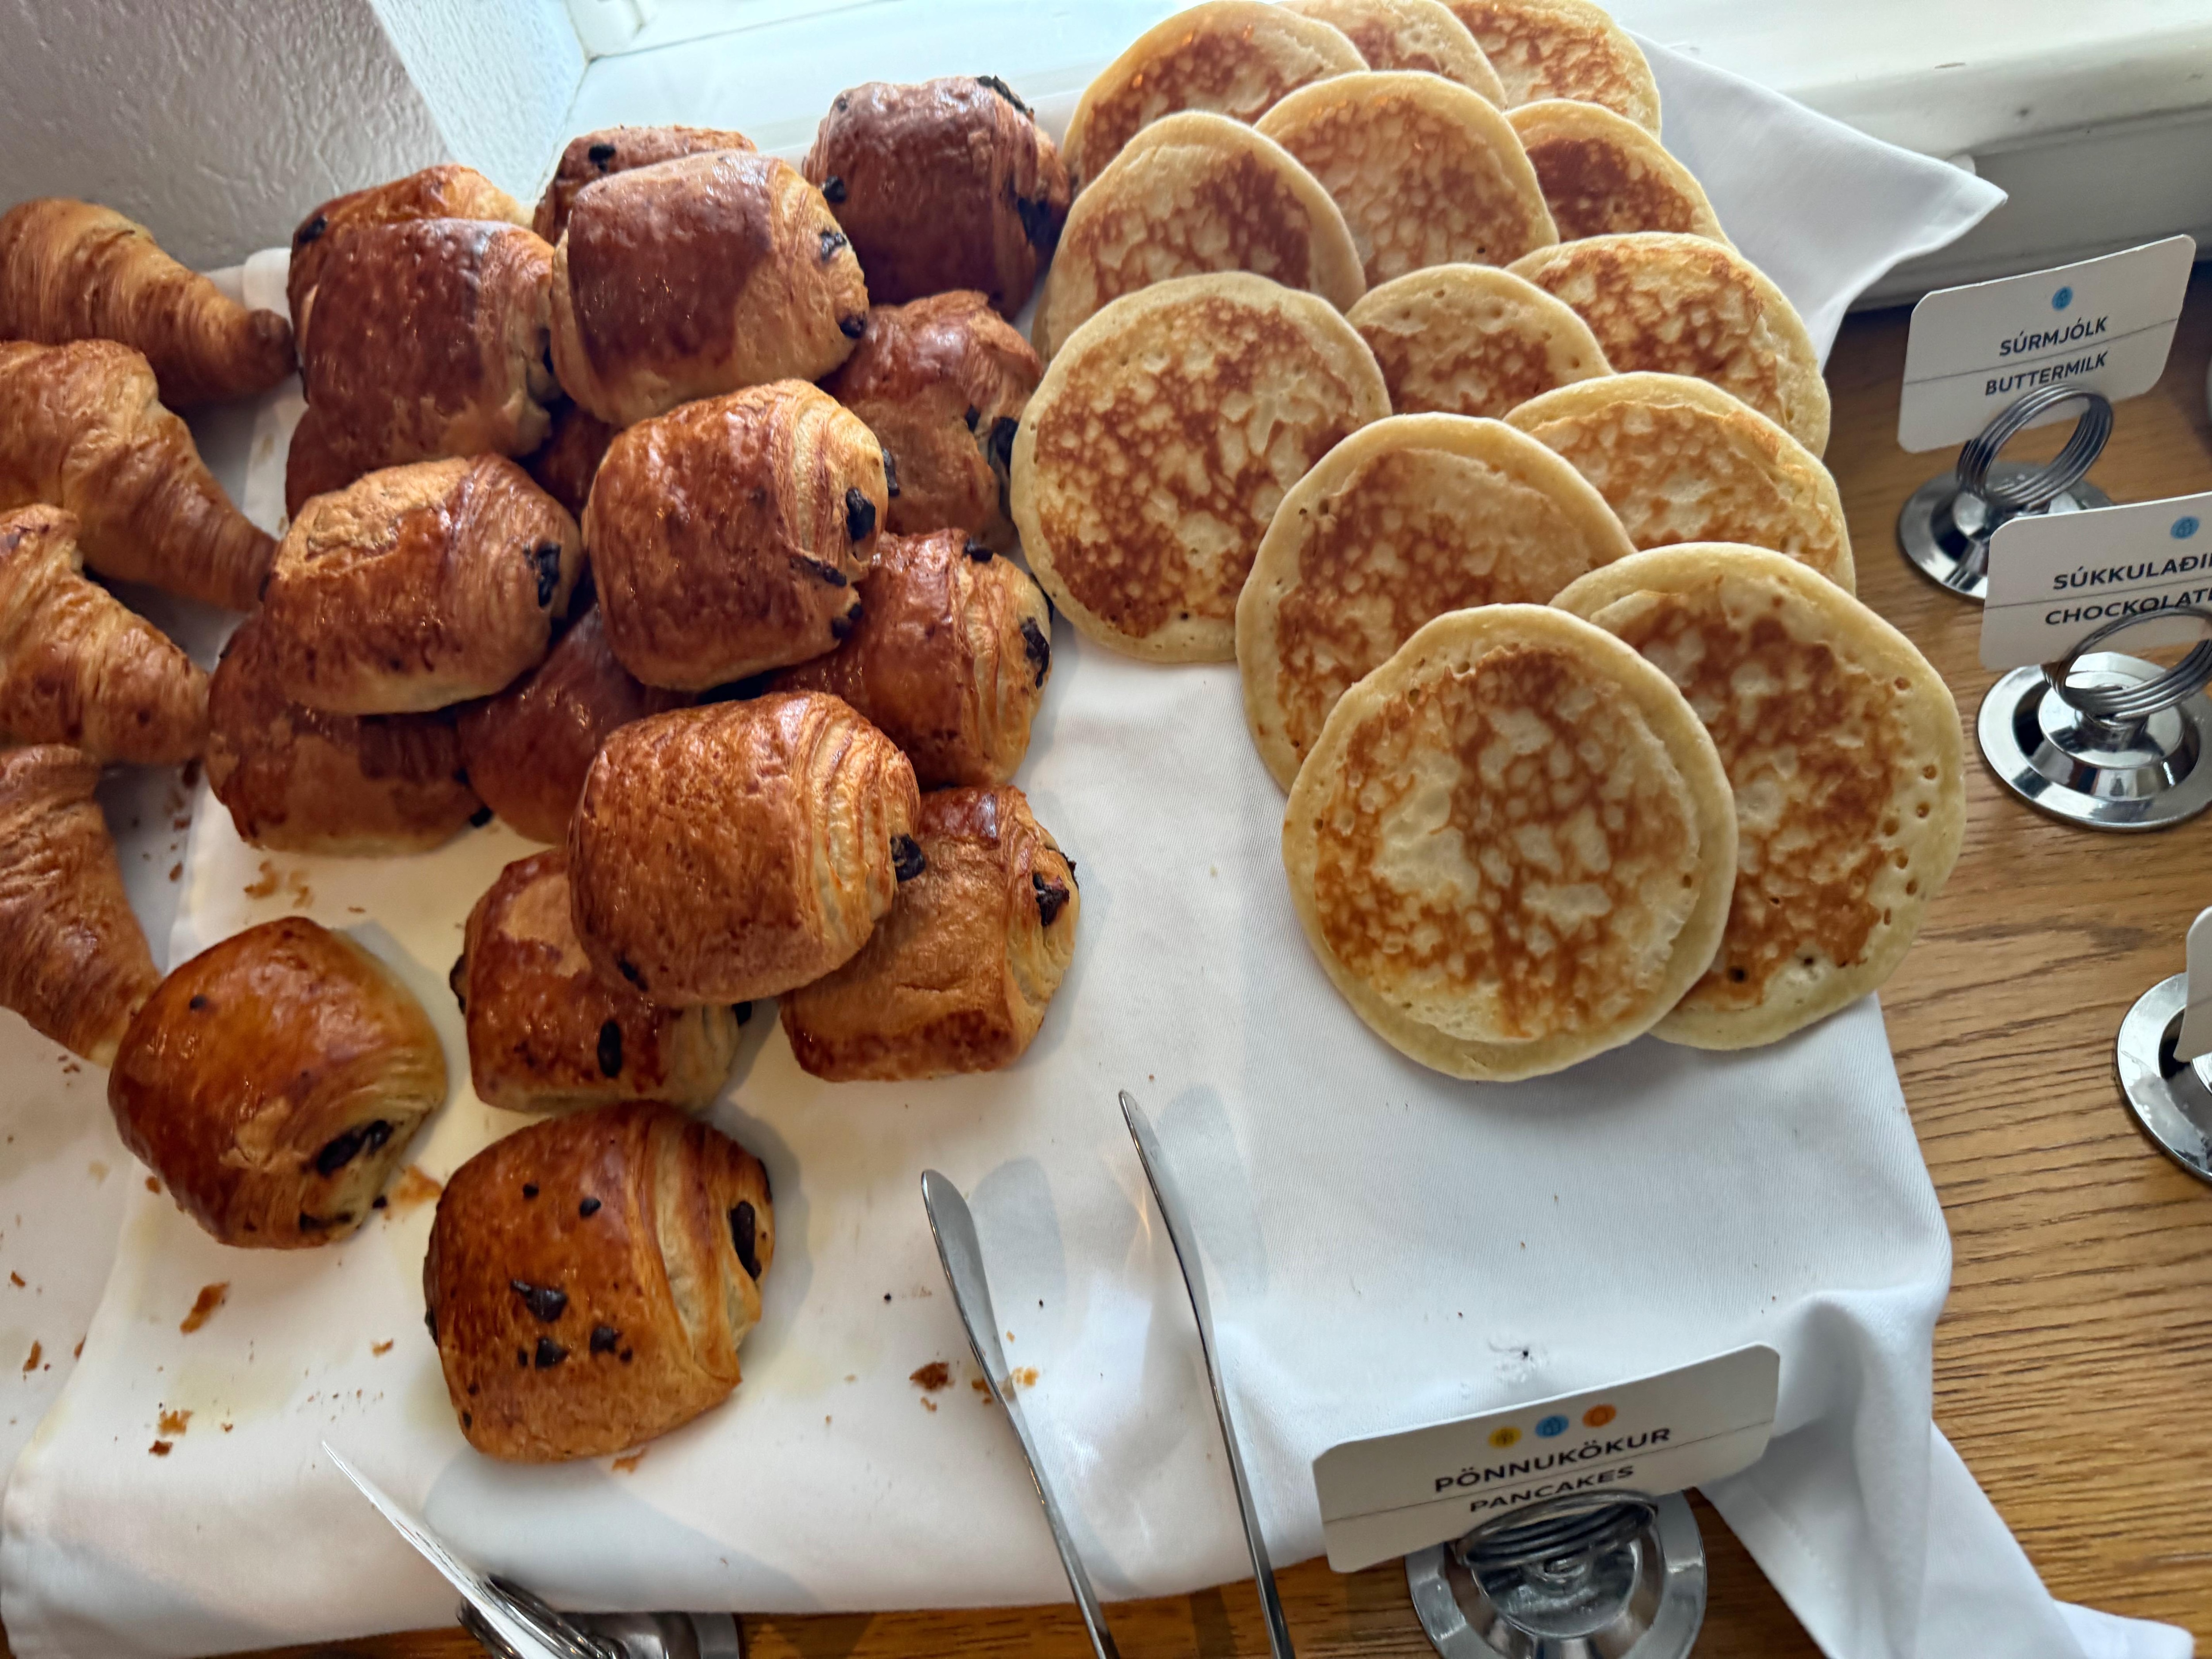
<point x="592" y="156"/>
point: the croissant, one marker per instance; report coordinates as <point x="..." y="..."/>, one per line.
<point x="425" y="339"/>
<point x="618" y="150"/>
<point x="78" y="666"/>
<point x="950" y="657"/>
<point x="297" y="780"/>
<point x="82" y="428"/>
<point x="448" y="190"/>
<point x="69" y="270"/>
<point x="73" y="959"/>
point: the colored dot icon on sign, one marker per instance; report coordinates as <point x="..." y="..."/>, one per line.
<point x="2183" y="528"/>
<point x="1552" y="1427"/>
<point x="1504" y="1438"/>
<point x="2063" y="298"/>
<point x="1598" y="1416"/>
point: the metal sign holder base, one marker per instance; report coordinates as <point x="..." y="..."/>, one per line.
<point x="1621" y="1576"/>
<point x="2170" y="1099"/>
<point x="607" y="1635"/>
<point x="2107" y="741"/>
<point x="1945" y="527"/>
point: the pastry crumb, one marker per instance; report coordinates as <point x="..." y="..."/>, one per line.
<point x="17" y="1279"/>
<point x="270" y="882"/>
<point x="379" y="1348"/>
<point x="211" y="1298"/>
<point x="32" y="1364"/>
<point x="176" y="871"/>
<point x="159" y="1448"/>
<point x="628" y="1463"/>
<point x="172" y="1423"/>
<point x="927" y="1404"/>
<point x="413" y="1188"/>
<point x="932" y="1377"/>
<point x="1026" y="1376"/>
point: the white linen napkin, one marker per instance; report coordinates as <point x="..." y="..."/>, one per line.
<point x="1386" y="1246"/>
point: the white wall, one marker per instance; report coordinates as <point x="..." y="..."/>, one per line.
<point x="218" y="123"/>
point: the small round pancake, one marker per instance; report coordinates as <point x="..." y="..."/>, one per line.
<point x="1234" y="57"/>
<point x="1472" y="340"/>
<point x="1678" y="461"/>
<point x="1602" y="174"/>
<point x="1563" y="49"/>
<point x="1512" y="847"/>
<point x="1427" y="172"/>
<point x="1842" y="746"/>
<point x="1195" y="192"/>
<point x="1402" y="521"/>
<point x="1155" y="451"/>
<point x="1684" y="304"/>
<point x="1408" y="34"/>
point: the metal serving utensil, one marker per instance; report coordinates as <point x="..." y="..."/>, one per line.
<point x="958" y="1249"/>
<point x="1177" y="1216"/>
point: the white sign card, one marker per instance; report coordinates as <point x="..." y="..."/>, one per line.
<point x="1396" y="1493"/>
<point x="2197" y="1018"/>
<point x="2105" y="325"/>
<point x="2055" y="577"/>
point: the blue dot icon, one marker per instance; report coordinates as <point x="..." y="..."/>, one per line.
<point x="2063" y="298"/>
<point x="2183" y="528"/>
<point x="1551" y="1427"/>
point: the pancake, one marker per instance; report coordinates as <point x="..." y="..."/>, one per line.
<point x="1472" y="340"/>
<point x="1512" y="847"/>
<point x="1195" y="192"/>
<point x="1563" y="49"/>
<point x="1233" y="57"/>
<point x="1408" y="34"/>
<point x="1151" y="456"/>
<point x="1427" y="172"/>
<point x="1842" y="746"/>
<point x="1402" y="521"/>
<point x="1683" y="305"/>
<point x="1678" y="461"/>
<point x="1602" y="174"/>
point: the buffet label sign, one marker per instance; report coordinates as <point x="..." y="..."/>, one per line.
<point x="2056" y="577"/>
<point x="1396" y="1493"/>
<point x="2104" y="325"/>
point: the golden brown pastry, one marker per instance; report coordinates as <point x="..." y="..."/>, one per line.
<point x="618" y="150"/>
<point x="78" y="666"/>
<point x="419" y="587"/>
<point x="81" y="428"/>
<point x="527" y="749"/>
<point x="548" y="1034"/>
<point x="956" y="977"/>
<point x="727" y="535"/>
<point x="73" y="959"/>
<point x="447" y="191"/>
<point x="696" y="277"/>
<point x="69" y="270"/>
<point x="942" y="383"/>
<point x="564" y="465"/>
<point x="297" y="780"/>
<point x="590" y="1278"/>
<point x="427" y="338"/>
<point x="949" y="184"/>
<point x="734" y="851"/>
<point x="273" y="1083"/>
<point x="950" y="657"/>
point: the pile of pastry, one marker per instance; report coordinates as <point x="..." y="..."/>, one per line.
<point x="667" y="524"/>
<point x="1391" y="355"/>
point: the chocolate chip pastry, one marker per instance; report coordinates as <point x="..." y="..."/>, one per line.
<point x="593" y="155"/>
<point x="447" y="191"/>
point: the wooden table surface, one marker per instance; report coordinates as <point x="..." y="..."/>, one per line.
<point x="2075" y="1360"/>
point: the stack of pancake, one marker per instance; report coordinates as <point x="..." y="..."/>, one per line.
<point x="1391" y="355"/>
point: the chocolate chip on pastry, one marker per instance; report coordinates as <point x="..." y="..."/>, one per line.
<point x="447" y="191"/>
<point x="725" y="536"/>
<point x="610" y="1308"/>
<point x="549" y="1034"/>
<point x="427" y="338"/>
<point x="935" y="380"/>
<point x="949" y="184"/>
<point x="298" y="779"/>
<point x="956" y="977"/>
<point x="696" y="277"/>
<point x="527" y="749"/>
<point x="73" y="960"/>
<point x="273" y="1083"/>
<point x="737" y="850"/>
<point x="618" y="150"/>
<point x="950" y="657"/>
<point x="419" y="587"/>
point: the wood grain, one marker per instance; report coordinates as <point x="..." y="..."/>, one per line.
<point x="2073" y="1364"/>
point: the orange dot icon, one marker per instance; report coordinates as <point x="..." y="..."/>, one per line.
<point x="1598" y="1416"/>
